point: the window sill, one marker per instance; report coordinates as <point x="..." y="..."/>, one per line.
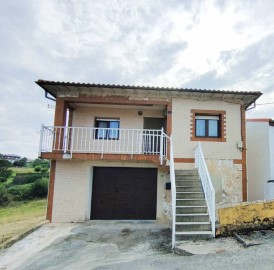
<point x="208" y="139"/>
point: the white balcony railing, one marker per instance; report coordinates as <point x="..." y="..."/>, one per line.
<point x="209" y="190"/>
<point x="102" y="140"/>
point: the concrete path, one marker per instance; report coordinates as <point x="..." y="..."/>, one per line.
<point x="130" y="245"/>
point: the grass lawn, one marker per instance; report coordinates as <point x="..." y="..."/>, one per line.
<point x="19" y="217"/>
<point x="22" y="170"/>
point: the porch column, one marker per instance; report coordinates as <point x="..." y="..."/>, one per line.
<point x="51" y="189"/>
<point x="60" y="113"/>
<point x="59" y="120"/>
<point x="169" y="119"/>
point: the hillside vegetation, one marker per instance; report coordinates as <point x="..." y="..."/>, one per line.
<point x="23" y="183"/>
<point x="23" y="192"/>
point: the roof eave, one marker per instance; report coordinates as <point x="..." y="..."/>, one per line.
<point x="43" y="84"/>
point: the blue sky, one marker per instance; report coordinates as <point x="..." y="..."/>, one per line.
<point x="196" y="44"/>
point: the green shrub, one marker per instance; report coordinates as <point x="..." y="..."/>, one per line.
<point x="3" y="179"/>
<point x="26" y="178"/>
<point x="21" y="192"/>
<point x="40" y="162"/>
<point x="5" y="172"/>
<point x="5" y="197"/>
<point x="44" y="170"/>
<point x="40" y="188"/>
<point x="37" y="168"/>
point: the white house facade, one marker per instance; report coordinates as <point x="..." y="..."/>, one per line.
<point x="260" y="158"/>
<point x="127" y="152"/>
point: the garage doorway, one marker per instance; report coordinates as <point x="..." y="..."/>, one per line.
<point x="124" y="193"/>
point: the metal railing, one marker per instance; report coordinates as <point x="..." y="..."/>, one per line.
<point x="209" y="191"/>
<point x="102" y="140"/>
<point x="169" y="144"/>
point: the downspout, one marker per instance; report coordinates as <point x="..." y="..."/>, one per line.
<point x="244" y="165"/>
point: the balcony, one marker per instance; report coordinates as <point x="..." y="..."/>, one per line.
<point x="69" y="141"/>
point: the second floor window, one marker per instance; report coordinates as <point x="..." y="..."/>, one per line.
<point x="107" y="128"/>
<point x="207" y="126"/>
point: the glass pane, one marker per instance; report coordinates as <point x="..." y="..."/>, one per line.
<point x="113" y="132"/>
<point x="102" y="131"/>
<point x="200" y="127"/>
<point x="213" y="128"/>
<point x="114" y="124"/>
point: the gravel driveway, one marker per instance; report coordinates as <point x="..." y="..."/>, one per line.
<point x="127" y="245"/>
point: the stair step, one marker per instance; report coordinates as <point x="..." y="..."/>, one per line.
<point x="187" y="177"/>
<point x="190" y="195"/>
<point x="187" y="188"/>
<point x="188" y="183"/>
<point x="188" y="209"/>
<point x="192" y="217"/>
<point x="194" y="233"/>
<point x="193" y="223"/>
<point x="182" y="202"/>
<point x="192" y="226"/>
<point x="189" y="192"/>
<point x="190" y="206"/>
<point x="186" y="172"/>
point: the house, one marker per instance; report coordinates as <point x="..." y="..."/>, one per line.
<point x="11" y="157"/>
<point x="260" y="158"/>
<point x="130" y="152"/>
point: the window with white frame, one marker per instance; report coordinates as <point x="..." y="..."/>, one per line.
<point x="107" y="128"/>
<point x="207" y="126"/>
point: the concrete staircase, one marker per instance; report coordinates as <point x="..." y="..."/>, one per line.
<point x="192" y="219"/>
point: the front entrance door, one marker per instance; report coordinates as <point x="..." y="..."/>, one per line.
<point x="154" y="123"/>
<point x="152" y="134"/>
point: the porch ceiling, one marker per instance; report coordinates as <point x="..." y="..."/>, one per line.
<point x="74" y="89"/>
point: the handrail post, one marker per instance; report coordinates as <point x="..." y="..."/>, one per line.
<point x="72" y="141"/>
<point x="173" y="191"/>
<point x="102" y="149"/>
<point x="41" y="140"/>
<point x="161" y="146"/>
<point x="132" y="144"/>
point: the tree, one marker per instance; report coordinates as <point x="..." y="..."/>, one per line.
<point x="5" y="172"/>
<point x="21" y="162"/>
<point x="40" y="162"/>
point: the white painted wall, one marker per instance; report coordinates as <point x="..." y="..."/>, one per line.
<point x="129" y="118"/>
<point x="181" y="120"/>
<point x="271" y="148"/>
<point x="227" y="176"/>
<point x="70" y="191"/>
<point x="258" y="159"/>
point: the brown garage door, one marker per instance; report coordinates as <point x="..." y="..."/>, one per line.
<point x="124" y="193"/>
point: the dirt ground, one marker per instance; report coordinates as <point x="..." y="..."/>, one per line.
<point x="132" y="245"/>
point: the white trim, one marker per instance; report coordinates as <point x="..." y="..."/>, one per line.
<point x="207" y="117"/>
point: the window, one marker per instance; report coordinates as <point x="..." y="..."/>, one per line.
<point x="107" y="129"/>
<point x="207" y="126"/>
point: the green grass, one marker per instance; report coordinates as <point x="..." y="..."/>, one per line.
<point x="22" y="170"/>
<point x="21" y="210"/>
<point x="19" y="217"/>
